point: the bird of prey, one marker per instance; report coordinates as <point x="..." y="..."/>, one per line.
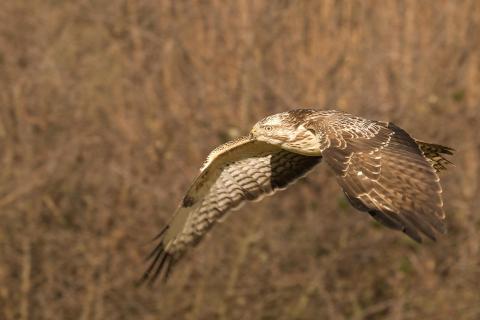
<point x="380" y="167"/>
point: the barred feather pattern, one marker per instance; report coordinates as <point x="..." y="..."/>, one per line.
<point x="380" y="167"/>
<point x="245" y="179"/>
<point x="383" y="171"/>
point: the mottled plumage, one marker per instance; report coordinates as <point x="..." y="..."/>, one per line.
<point x="381" y="169"/>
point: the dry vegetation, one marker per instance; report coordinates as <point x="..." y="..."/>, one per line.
<point x="107" y="109"/>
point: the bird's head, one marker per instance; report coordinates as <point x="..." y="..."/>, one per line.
<point x="274" y="129"/>
<point x="286" y="130"/>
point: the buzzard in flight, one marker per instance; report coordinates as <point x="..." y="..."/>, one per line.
<point x="381" y="169"/>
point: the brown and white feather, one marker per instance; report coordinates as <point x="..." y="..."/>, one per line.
<point x="238" y="171"/>
<point x="381" y="169"/>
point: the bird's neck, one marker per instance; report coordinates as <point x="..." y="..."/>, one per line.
<point x="305" y="142"/>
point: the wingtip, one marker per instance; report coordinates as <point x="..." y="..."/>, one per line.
<point x="412" y="234"/>
<point x="140" y="282"/>
<point x="161" y="233"/>
<point x="448" y="150"/>
<point x="162" y="261"/>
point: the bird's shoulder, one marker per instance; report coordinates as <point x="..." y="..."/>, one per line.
<point x="335" y="128"/>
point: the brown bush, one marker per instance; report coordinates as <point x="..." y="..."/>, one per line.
<point x="107" y="109"/>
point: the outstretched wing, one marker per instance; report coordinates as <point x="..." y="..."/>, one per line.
<point x="382" y="171"/>
<point x="238" y="171"/>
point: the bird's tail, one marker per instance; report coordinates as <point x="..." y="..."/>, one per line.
<point x="435" y="154"/>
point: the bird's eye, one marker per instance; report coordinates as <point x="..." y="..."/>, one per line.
<point x="268" y="128"/>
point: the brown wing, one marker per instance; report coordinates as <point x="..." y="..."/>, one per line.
<point x="383" y="171"/>
<point x="239" y="171"/>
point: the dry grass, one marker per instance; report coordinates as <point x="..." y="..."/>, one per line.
<point x="107" y="109"/>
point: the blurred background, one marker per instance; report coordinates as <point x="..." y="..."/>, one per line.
<point x="108" y="108"/>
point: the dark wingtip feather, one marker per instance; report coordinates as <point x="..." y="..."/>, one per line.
<point x="169" y="265"/>
<point x="158" y="247"/>
<point x="447" y="150"/>
<point x="385" y="219"/>
<point x="161" y="233"/>
<point x="160" y="258"/>
<point x="159" y="267"/>
<point x="442" y="149"/>
<point x="412" y="234"/>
